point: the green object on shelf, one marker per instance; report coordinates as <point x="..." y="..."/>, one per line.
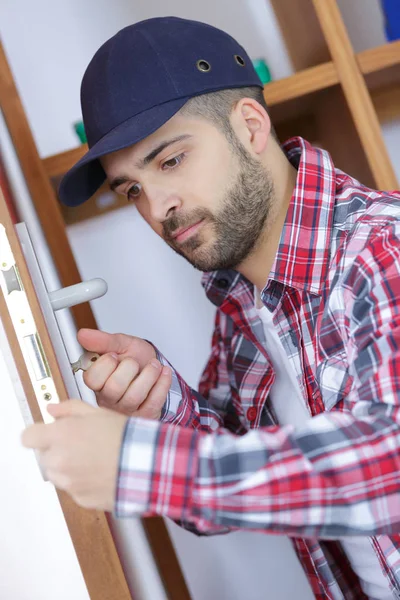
<point x="80" y="131"/>
<point x="262" y="70"/>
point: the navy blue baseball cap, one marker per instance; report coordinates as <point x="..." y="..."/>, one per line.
<point x="139" y="79"/>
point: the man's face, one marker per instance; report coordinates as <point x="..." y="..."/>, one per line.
<point x="207" y="198"/>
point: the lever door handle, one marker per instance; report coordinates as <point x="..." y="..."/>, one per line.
<point x="77" y="294"/>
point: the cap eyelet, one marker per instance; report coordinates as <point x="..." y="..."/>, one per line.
<point x="240" y="61"/>
<point x="203" y="66"/>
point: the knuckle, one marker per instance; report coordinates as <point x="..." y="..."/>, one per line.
<point x="59" y="463"/>
<point x="130" y="402"/>
<point x="101" y="401"/>
<point x="93" y="384"/>
<point x="140" y="347"/>
<point x="153" y="369"/>
<point x="153" y="413"/>
<point x="150" y="413"/>
<point x="127" y="411"/>
<point x="132" y="365"/>
<point x="111" y="391"/>
<point x="131" y="361"/>
<point x="68" y="483"/>
<point x="78" y="485"/>
<point x="57" y="471"/>
<point x="96" y="377"/>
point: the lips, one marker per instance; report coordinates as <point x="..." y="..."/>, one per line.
<point x="185" y="232"/>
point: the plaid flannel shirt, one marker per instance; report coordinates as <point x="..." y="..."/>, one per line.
<point x="219" y="461"/>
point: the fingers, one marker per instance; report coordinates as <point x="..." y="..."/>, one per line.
<point x="121" y="385"/>
<point x="69" y="408"/>
<point x="127" y="389"/>
<point x="140" y="388"/>
<point x="102" y="342"/>
<point x="118" y="383"/>
<point x="151" y="408"/>
<point x="117" y="343"/>
<point x="37" y="436"/>
<point x="100" y="371"/>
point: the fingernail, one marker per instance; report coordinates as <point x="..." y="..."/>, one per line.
<point x="165" y="371"/>
<point x="155" y="364"/>
<point x="114" y="355"/>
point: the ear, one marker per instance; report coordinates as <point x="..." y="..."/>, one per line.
<point x="254" y="123"/>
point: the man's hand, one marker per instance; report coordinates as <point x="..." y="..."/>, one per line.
<point x="79" y="452"/>
<point x="127" y="377"/>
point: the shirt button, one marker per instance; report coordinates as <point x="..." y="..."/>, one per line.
<point x="223" y="283"/>
<point x="252" y="413"/>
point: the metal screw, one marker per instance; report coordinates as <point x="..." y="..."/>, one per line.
<point x="47" y="396"/>
<point x="4" y="264"/>
<point x="22" y="321"/>
<point x="43" y="387"/>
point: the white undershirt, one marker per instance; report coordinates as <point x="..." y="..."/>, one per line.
<point x="290" y="408"/>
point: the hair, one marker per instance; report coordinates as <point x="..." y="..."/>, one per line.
<point x="216" y="107"/>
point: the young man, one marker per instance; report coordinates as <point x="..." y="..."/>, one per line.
<point x="295" y="428"/>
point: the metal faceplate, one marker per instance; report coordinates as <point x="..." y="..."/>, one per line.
<point x="25" y="329"/>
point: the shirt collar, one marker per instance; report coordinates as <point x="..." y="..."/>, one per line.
<point x="302" y="258"/>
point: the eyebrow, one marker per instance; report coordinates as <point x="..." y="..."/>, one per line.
<point x="143" y="162"/>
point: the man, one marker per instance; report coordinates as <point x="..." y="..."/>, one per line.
<point x="295" y="428"/>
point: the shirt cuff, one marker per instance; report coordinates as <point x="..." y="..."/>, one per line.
<point x="172" y="406"/>
<point x="157" y="469"/>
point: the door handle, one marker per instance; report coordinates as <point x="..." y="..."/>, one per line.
<point x="78" y="293"/>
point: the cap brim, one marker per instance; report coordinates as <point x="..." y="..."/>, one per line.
<point x="85" y="178"/>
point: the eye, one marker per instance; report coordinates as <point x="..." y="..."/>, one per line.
<point x="172" y="163"/>
<point x="134" y="191"/>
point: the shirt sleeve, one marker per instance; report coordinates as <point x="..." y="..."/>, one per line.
<point x="206" y="410"/>
<point x="210" y="407"/>
<point x="338" y="474"/>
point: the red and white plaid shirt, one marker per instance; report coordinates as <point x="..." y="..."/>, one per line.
<point x="219" y="461"/>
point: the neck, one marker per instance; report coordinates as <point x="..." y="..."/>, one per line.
<point x="257" y="266"/>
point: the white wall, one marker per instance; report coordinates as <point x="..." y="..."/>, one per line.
<point x="152" y="292"/>
<point x="49" y="43"/>
<point x="365" y="23"/>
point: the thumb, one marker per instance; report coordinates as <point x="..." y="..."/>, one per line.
<point x="70" y="408"/>
<point x="102" y="342"/>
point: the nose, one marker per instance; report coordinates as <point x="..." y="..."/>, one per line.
<point x="162" y="202"/>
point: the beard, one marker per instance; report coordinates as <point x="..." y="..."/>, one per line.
<point x="238" y="226"/>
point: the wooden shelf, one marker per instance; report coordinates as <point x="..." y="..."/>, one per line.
<point x="380" y="57"/>
<point x="381" y="67"/>
<point x="58" y="164"/>
<point x="301" y="83"/>
<point x="387" y="102"/>
<point x="325" y="75"/>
